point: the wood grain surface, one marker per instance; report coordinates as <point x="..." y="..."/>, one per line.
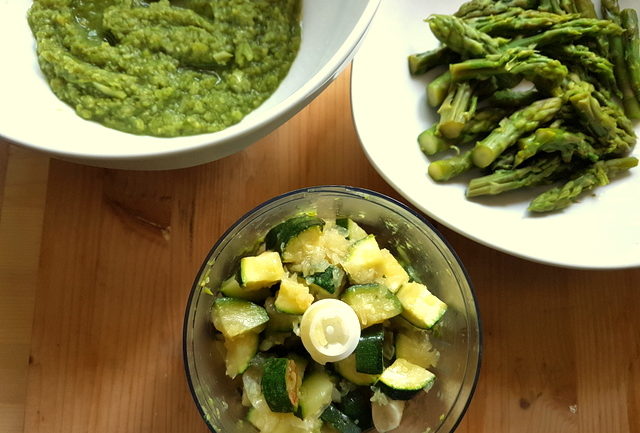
<point x="95" y="274"/>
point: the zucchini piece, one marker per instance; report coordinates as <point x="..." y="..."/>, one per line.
<point x="415" y="346"/>
<point x="356" y="405"/>
<point x="233" y="316"/>
<point x="391" y="272"/>
<point x="420" y="307"/>
<point x="240" y="352"/>
<point x="327" y="283"/>
<point x="354" y="231"/>
<point x="280" y="384"/>
<point x="264" y="270"/>
<point x="271" y="422"/>
<point x="278" y="237"/>
<point x="293" y="297"/>
<point x="338" y="420"/>
<point x="347" y="369"/>
<point x="280" y="322"/>
<point x="402" y="379"/>
<point x="363" y="260"/>
<point x="373" y="303"/>
<point x="232" y="288"/>
<point x="369" y="350"/>
<point x="315" y="394"/>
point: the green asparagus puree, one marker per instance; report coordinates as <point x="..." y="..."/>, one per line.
<point x="165" y="68"/>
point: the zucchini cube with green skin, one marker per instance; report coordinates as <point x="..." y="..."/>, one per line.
<point x="363" y="260"/>
<point x="354" y="231"/>
<point x="315" y="394"/>
<point x="232" y="288"/>
<point x="373" y="303"/>
<point x="258" y="272"/>
<point x="280" y="384"/>
<point x="278" y="321"/>
<point x="402" y="379"/>
<point x="391" y="272"/>
<point x="234" y="317"/>
<point x="278" y="238"/>
<point x="347" y="369"/>
<point x="339" y="421"/>
<point x="356" y="405"/>
<point x="240" y="351"/>
<point x="420" y="307"/>
<point x="293" y="297"/>
<point x="327" y="283"/>
<point x="368" y="352"/>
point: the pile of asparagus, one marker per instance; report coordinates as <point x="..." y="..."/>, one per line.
<point x="572" y="127"/>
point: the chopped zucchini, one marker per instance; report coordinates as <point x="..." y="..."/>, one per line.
<point x="415" y="346"/>
<point x="363" y="260"/>
<point x="279" y="237"/>
<point x="280" y="384"/>
<point x="391" y="273"/>
<point x="369" y="350"/>
<point x="264" y="270"/>
<point x="280" y="322"/>
<point x="373" y="303"/>
<point x="240" y="352"/>
<point x="328" y="282"/>
<point x="354" y="231"/>
<point x="420" y="307"/>
<point x="293" y="297"/>
<point x="232" y="288"/>
<point x="233" y="316"/>
<point x="272" y="422"/>
<point x="338" y="420"/>
<point x="356" y="405"/>
<point x="347" y="369"/>
<point x="402" y="379"/>
<point x="315" y="394"/>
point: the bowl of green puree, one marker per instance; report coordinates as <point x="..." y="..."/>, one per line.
<point x="141" y="84"/>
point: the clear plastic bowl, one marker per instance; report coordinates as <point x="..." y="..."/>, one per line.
<point x="396" y="226"/>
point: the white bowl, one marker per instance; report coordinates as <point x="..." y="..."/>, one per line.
<point x="31" y="115"/>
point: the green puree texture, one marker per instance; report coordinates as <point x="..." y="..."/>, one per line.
<point x="165" y="68"/>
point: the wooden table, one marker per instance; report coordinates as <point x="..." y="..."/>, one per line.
<point x="96" y="266"/>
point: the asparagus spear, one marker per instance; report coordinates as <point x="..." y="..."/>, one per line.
<point x="598" y="174"/>
<point x="592" y="62"/>
<point x="555" y="140"/>
<point x="462" y="37"/>
<point x="585" y="8"/>
<point x="507" y="180"/>
<point x="482" y="122"/>
<point x="552" y="6"/>
<point x="599" y="122"/>
<point x="629" y="19"/>
<point x="457" y="108"/>
<point x="512" y="98"/>
<point x="420" y="63"/>
<point x="611" y="11"/>
<point x="479" y="8"/>
<point x="517" y="19"/>
<point x="445" y="169"/>
<point x="531" y="65"/>
<point x="438" y="89"/>
<point x="568" y="31"/>
<point x="512" y="127"/>
<point x="431" y="143"/>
